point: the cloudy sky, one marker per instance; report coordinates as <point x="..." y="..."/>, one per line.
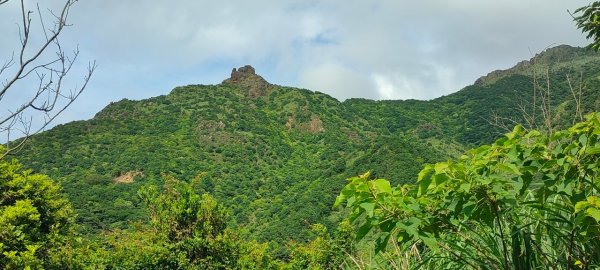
<point x="377" y="49"/>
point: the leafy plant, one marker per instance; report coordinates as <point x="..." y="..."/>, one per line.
<point x="588" y="20"/>
<point x="527" y="201"/>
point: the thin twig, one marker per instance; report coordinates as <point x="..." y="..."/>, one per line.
<point x="50" y="98"/>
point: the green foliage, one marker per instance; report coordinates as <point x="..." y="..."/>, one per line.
<point x="34" y="217"/>
<point x="588" y="20"/>
<point x="140" y="248"/>
<point x="325" y="251"/>
<point x="524" y="202"/>
<point x="181" y="213"/>
<point x="187" y="231"/>
<point x="193" y="226"/>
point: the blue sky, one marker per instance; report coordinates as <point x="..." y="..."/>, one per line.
<point x="379" y="49"/>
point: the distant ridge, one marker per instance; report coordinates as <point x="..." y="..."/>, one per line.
<point x="557" y="55"/>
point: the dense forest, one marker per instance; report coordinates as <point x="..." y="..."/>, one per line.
<point x="244" y="174"/>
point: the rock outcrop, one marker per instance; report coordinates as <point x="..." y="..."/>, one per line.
<point x="240" y="74"/>
<point x="246" y="78"/>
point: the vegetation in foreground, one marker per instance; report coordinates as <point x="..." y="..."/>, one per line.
<point x="527" y="201"/>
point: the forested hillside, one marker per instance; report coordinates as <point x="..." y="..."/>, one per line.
<point x="465" y="116"/>
<point x="275" y="156"/>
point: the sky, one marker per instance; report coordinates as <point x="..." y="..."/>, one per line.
<point x="376" y="49"/>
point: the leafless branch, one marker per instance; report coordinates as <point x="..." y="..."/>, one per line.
<point x="503" y="123"/>
<point x="577" y="94"/>
<point x="49" y="65"/>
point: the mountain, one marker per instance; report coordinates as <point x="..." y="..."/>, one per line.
<point x="277" y="156"/>
<point x="465" y="116"/>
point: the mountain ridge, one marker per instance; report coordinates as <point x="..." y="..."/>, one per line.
<point x="275" y="156"/>
<point x="549" y="57"/>
<point x="246" y="76"/>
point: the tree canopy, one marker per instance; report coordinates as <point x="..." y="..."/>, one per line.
<point x="34" y="216"/>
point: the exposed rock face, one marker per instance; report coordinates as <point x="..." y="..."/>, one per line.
<point x="315" y="125"/>
<point x="247" y="78"/>
<point x="242" y="73"/>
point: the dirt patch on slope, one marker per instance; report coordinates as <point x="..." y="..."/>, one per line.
<point x="127" y="177"/>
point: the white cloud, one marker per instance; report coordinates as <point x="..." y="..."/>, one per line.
<point x="336" y="80"/>
<point x="346" y="48"/>
<point x="385" y="88"/>
<point x="396" y="86"/>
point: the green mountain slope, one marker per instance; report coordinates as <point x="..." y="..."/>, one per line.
<point x="465" y="116"/>
<point x="277" y="156"/>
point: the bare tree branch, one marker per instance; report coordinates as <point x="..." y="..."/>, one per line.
<point x="49" y="65"/>
<point x="577" y="93"/>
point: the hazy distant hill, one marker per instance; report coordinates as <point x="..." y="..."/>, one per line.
<point x="277" y="156"/>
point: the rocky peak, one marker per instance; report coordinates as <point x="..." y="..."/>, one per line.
<point x="246" y="78"/>
<point x="242" y="73"/>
